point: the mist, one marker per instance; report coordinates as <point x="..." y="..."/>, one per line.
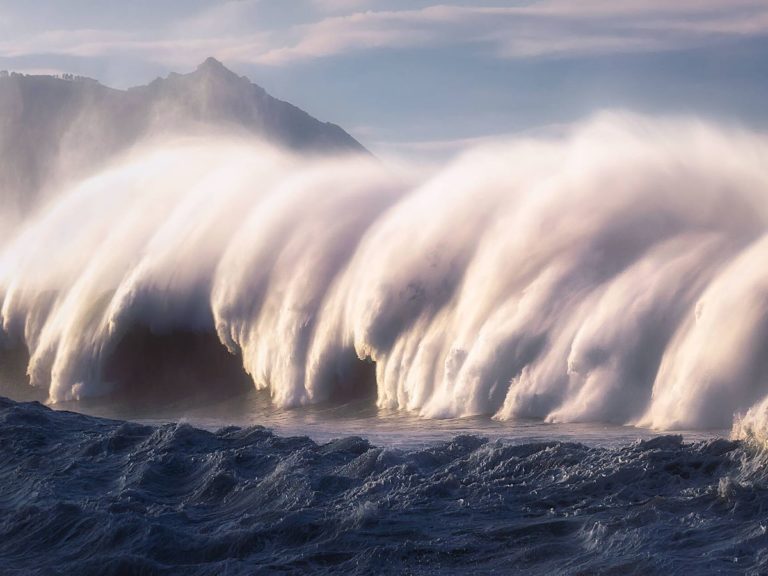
<point x="610" y="274"/>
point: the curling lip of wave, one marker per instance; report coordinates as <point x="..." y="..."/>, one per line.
<point x="613" y="274"/>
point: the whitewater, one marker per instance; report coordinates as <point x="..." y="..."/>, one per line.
<point x="614" y="272"/>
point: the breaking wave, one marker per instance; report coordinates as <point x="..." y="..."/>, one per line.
<point x="615" y="273"/>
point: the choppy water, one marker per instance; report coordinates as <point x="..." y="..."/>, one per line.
<point x="85" y="495"/>
<point x="195" y="290"/>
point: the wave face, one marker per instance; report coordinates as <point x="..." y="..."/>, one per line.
<point x="85" y="496"/>
<point x="615" y="273"/>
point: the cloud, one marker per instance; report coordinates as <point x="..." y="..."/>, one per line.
<point x="241" y="32"/>
<point x="363" y="30"/>
<point x="339" y="5"/>
<point x="552" y="28"/>
<point x="612" y="8"/>
<point x="97" y="43"/>
<point x="222" y="19"/>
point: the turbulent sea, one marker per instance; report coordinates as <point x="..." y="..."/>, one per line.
<point x="546" y="357"/>
<point x="89" y="495"/>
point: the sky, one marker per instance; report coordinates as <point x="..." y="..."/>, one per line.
<point x="419" y="77"/>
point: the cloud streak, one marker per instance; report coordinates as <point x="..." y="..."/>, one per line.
<point x="537" y="30"/>
<point x="237" y="31"/>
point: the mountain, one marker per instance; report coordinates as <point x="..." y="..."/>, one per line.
<point x="59" y="127"/>
<point x="213" y="94"/>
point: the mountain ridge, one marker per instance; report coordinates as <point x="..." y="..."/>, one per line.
<point x="57" y="127"/>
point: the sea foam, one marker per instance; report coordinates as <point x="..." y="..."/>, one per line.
<point x="614" y="273"/>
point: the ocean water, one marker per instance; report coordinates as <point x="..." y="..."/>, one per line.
<point x="361" y="417"/>
<point x="530" y="360"/>
<point x="89" y="495"/>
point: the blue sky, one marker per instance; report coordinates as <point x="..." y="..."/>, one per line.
<point x="420" y="77"/>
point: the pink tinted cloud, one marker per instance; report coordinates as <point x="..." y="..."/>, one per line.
<point x="548" y="28"/>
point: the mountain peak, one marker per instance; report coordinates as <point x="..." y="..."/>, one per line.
<point x="96" y="122"/>
<point x="212" y="66"/>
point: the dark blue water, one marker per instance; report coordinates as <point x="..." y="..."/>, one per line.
<point x="85" y="495"/>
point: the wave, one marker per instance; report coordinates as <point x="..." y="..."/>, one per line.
<point x="614" y="273"/>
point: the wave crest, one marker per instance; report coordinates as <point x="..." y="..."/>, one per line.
<point x="612" y="274"/>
